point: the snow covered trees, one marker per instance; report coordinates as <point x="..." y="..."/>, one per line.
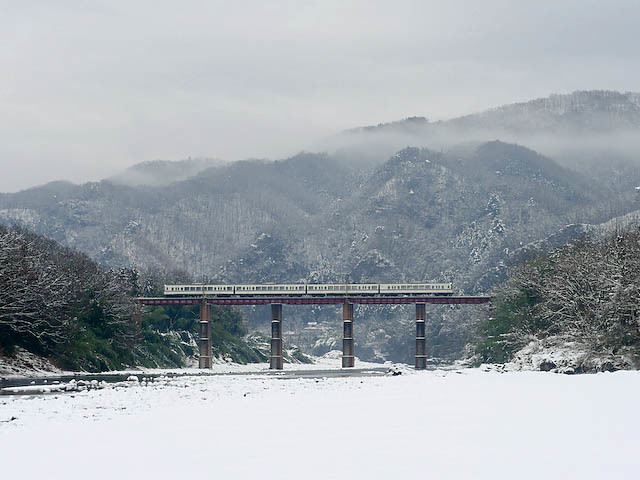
<point x="586" y="292"/>
<point x="50" y="296"/>
<point x="58" y="303"/>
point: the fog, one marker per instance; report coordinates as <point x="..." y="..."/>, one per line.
<point x="572" y="149"/>
<point x="90" y="88"/>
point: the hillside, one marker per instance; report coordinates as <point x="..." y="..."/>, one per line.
<point x="422" y="215"/>
<point x="60" y="309"/>
<point x="573" y="308"/>
<point x="461" y="213"/>
<point x="583" y="128"/>
<point x="157" y="173"/>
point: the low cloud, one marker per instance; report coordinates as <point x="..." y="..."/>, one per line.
<point x="91" y="88"/>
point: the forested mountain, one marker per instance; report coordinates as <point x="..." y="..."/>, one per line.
<point x="595" y="110"/>
<point x="582" y="130"/>
<point x="458" y="214"/>
<point x="573" y="309"/>
<point x="157" y="173"/>
<point x="57" y="303"/>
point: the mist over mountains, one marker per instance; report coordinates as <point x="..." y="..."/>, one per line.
<point x="157" y="173"/>
<point x="410" y="200"/>
<point x="599" y="124"/>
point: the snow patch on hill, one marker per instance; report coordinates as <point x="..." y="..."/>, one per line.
<point x="25" y="363"/>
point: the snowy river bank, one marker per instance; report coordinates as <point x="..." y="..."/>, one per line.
<point x="464" y="423"/>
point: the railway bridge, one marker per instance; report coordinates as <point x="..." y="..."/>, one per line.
<point x="275" y="359"/>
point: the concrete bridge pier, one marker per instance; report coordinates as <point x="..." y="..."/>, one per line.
<point x="204" y="345"/>
<point x="275" y="360"/>
<point x="421" y="316"/>
<point x="347" y="337"/>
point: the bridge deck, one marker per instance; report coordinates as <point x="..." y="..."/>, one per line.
<point x="307" y="300"/>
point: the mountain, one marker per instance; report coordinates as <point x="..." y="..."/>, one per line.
<point x="596" y="110"/>
<point x="157" y="173"/>
<point x="456" y="214"/>
<point x="421" y="215"/>
<point x="565" y="127"/>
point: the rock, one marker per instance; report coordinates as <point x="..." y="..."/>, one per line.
<point x="607" y="366"/>
<point x="547" y="366"/>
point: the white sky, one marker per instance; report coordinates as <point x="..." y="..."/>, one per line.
<point x="88" y="88"/>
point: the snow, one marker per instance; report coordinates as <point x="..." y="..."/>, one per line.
<point x="466" y="423"/>
<point x="26" y="363"/>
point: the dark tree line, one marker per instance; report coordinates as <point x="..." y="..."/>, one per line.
<point x="585" y="292"/>
<point x="50" y="296"/>
<point x="59" y="303"/>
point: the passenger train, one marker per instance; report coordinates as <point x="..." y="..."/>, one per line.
<point x="311" y="289"/>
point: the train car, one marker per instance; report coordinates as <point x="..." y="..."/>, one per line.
<point x="363" y="289"/>
<point x="416" y="288"/>
<point x="283" y="289"/>
<point x="324" y="289"/>
<point x="218" y="290"/>
<point x="183" y="290"/>
<point x="197" y="289"/>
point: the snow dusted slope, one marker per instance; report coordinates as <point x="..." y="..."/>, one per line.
<point x="434" y="424"/>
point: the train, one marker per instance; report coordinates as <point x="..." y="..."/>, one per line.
<point x="311" y="289"/>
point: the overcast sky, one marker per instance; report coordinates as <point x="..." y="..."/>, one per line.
<point x="88" y="88"/>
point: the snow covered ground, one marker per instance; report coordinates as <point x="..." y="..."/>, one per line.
<point x="467" y="424"/>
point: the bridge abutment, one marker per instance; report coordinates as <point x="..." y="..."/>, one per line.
<point x="421" y="316"/>
<point x="347" y="335"/>
<point x="275" y="360"/>
<point x="204" y="344"/>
